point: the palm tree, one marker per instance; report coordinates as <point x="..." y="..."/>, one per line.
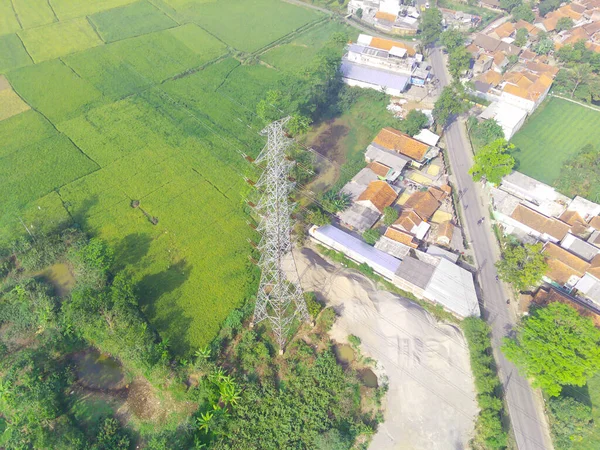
<point x="204" y="421"/>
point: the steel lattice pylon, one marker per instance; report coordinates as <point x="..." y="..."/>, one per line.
<point x="280" y="298"/>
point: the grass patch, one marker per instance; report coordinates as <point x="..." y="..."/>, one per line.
<point x="23" y="129"/>
<point x="53" y="88"/>
<point x="264" y="21"/>
<point x="33" y="13"/>
<point x="555" y="132"/>
<point x="69" y="9"/>
<point x="131" y="20"/>
<point x="8" y="20"/>
<point x="247" y="84"/>
<point x="59" y="39"/>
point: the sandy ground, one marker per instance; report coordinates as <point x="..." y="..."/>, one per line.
<point x="431" y="399"/>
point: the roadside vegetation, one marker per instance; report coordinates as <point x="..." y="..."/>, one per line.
<point x="558" y="349"/>
<point x="492" y="162"/>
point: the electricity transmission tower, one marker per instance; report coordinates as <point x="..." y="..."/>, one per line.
<point x="280" y="298"/>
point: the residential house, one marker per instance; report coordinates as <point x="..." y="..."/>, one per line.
<point x="444" y="233"/>
<point x="424" y="203"/>
<point x="540" y="196"/>
<point x="410" y="222"/>
<point x="535" y="224"/>
<point x="392" y="160"/>
<point x="368" y="206"/>
<point x="396" y="141"/>
<point x="564" y="268"/>
<point x="504" y="31"/>
<point x="402" y="25"/>
<point x="359" y="183"/>
<point x="402" y="237"/>
<point x="547" y="295"/>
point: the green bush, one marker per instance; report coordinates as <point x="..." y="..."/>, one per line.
<point x="570" y="421"/>
<point x="371" y="236"/>
<point x="326" y="319"/>
<point x="312" y="304"/>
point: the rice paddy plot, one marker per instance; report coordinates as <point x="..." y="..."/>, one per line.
<point x="23" y="129"/>
<point x="250" y="26"/>
<point x="59" y="39"/>
<point x="69" y="9"/>
<point x="12" y="53"/>
<point x="299" y="52"/>
<point x="555" y="132"/>
<point x="33" y="13"/>
<point x="36" y="170"/>
<point x="8" y="20"/>
<point x="53" y="89"/>
<point x="130" y="20"/>
<point x="248" y="84"/>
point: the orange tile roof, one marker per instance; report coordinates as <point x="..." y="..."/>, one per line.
<point x="563" y="264"/>
<point x="379" y="168"/>
<point x="445" y="230"/>
<point x="397" y="141"/>
<point x="491" y="77"/>
<point x="528" y="55"/>
<point x="504" y="30"/>
<point x="568" y="11"/>
<point x="571" y="217"/>
<point x="379" y="193"/>
<point x="540" y="67"/>
<point x="408" y="220"/>
<point x="499" y="58"/>
<point x="387" y="44"/>
<point x="540" y="223"/>
<point x="529" y="27"/>
<point x="595" y="222"/>
<point x="423" y="203"/>
<point x="446" y="188"/>
<point x="401" y="236"/>
<point x="385" y="16"/>
<point x="438" y="194"/>
<point x="516" y="90"/>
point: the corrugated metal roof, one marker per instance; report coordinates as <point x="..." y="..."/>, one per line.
<point x="453" y="287"/>
<point x="373" y="76"/>
<point x="415" y="271"/>
<point x="363" y="249"/>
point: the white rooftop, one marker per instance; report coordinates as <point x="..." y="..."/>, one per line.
<point x="578" y="246"/>
<point x="427" y="137"/>
<point x="453" y="287"/>
<point x="586" y="209"/>
<point x="507" y="116"/>
<point x="545" y="199"/>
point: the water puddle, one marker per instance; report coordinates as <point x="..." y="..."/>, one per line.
<point x="60" y="277"/>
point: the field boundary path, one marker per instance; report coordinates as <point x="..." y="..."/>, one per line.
<point x="525" y="406"/>
<point x="576" y="102"/>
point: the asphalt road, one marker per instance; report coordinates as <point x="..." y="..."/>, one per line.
<point x="524" y="404"/>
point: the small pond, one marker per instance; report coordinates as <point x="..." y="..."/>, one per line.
<point x="97" y="371"/>
<point x="60" y="277"/>
<point x="368" y="378"/>
<point x="344" y="353"/>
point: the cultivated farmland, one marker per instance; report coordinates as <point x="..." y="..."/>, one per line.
<point x="556" y="131"/>
<point x="140" y="113"/>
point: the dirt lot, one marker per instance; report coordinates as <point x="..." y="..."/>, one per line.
<point x="431" y="399"/>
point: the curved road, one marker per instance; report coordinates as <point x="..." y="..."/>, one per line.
<point x="524" y="404"/>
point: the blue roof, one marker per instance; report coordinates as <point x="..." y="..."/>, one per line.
<point x="356" y="48"/>
<point x="365" y="250"/>
<point x="373" y="76"/>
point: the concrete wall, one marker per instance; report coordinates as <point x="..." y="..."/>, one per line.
<point x="362" y="84"/>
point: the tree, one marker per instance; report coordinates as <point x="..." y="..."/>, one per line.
<point x="431" y="26"/>
<point x="459" y="61"/>
<point x="555" y="346"/>
<point x="298" y="124"/>
<point x="546" y="6"/>
<point x="543" y="46"/>
<point x="449" y="103"/>
<point x="521" y="37"/>
<point x="371" y="236"/>
<point x="522" y="265"/>
<point x="318" y="217"/>
<point x="509" y="5"/>
<point x="570" y="421"/>
<point x="564" y="23"/>
<point x="486" y="131"/>
<point x="523" y="12"/>
<point x="452" y="39"/>
<point x="493" y="162"/>
<point x="414" y="122"/>
<point x="335" y="202"/>
<point x="390" y="215"/>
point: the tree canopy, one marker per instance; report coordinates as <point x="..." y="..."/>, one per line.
<point x="522" y="265"/>
<point x="523" y="12"/>
<point x="564" y="23"/>
<point x="570" y="421"/>
<point x="414" y="122"/>
<point x="547" y="6"/>
<point x="493" y="162"/>
<point x="449" y="103"/>
<point x="431" y="26"/>
<point x="521" y="37"/>
<point x="452" y="39"/>
<point x="390" y="215"/>
<point x="459" y="60"/>
<point x="555" y="346"/>
<point x="543" y="46"/>
<point x="484" y="132"/>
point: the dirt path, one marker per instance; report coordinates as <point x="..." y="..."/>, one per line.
<point x="431" y="399"/>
